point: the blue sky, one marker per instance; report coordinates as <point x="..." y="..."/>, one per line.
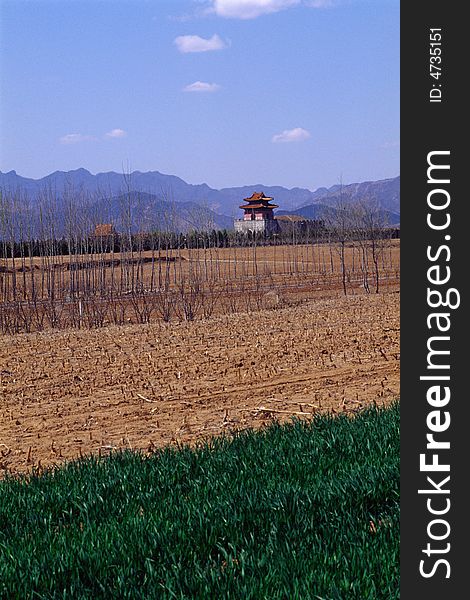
<point x="227" y="92"/>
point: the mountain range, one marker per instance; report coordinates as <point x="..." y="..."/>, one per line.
<point x="158" y="192"/>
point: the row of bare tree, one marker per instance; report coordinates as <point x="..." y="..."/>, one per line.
<point x="64" y="266"/>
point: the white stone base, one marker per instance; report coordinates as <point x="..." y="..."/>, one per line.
<point x="267" y="226"/>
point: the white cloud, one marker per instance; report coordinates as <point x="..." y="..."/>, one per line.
<point x="194" y="43"/>
<point x="116" y="133"/>
<point x="75" y="138"/>
<point x="249" y="9"/>
<point x="291" y="135"/>
<point x="200" y="86"/>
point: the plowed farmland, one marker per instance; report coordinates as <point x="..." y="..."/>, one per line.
<point x="68" y="393"/>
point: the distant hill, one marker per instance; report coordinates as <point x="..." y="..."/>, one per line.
<point x="149" y="211"/>
<point x="222" y="205"/>
<point x="386" y="192"/>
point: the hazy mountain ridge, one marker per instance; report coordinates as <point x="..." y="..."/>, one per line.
<point x="222" y="203"/>
<point x="386" y="192"/>
<point x="149" y="211"/>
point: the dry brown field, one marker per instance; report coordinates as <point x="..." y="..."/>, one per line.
<point x="65" y="394"/>
<point x="282" y="341"/>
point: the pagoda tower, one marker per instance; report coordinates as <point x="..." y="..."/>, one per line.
<point x="258" y="214"/>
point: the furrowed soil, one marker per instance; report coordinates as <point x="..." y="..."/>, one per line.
<point x="65" y="394"/>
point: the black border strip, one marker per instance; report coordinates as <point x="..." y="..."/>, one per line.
<point x="431" y="127"/>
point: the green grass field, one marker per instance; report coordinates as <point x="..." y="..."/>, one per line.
<point x="296" y="511"/>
